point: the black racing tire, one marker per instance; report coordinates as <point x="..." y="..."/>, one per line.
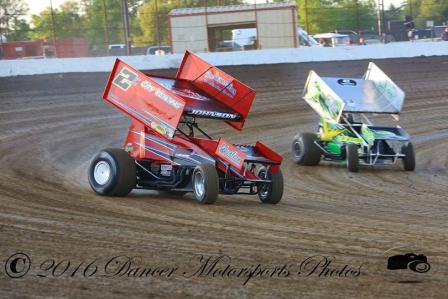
<point x="112" y="172"/>
<point x="409" y="158"/>
<point x="270" y="193"/>
<point x="205" y="182"/>
<point x="352" y="157"/>
<point x="305" y="151"/>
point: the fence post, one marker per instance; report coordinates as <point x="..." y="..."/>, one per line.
<point x="106" y="27"/>
<point x="53" y="28"/>
<point x="157" y="24"/>
<point x="307" y="24"/>
<point x="127" y="39"/>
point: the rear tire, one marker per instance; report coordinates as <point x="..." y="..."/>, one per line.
<point x="205" y="184"/>
<point x="305" y="151"/>
<point x="409" y="158"/>
<point x="352" y="157"/>
<point x="270" y="193"/>
<point x="112" y="172"/>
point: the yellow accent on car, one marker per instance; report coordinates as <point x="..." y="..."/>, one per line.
<point x="327" y="132"/>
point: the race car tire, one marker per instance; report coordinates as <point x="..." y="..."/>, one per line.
<point x="270" y="192"/>
<point x="304" y="150"/>
<point x="112" y="172"/>
<point x="205" y="183"/>
<point x="409" y="158"/>
<point x="352" y="157"/>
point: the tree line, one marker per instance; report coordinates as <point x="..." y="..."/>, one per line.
<point x="100" y="21"/>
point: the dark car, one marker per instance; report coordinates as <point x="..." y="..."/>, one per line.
<point x="354" y="37"/>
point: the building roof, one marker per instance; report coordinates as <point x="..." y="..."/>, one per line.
<point x="229" y="8"/>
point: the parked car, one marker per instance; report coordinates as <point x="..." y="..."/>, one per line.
<point x="158" y="50"/>
<point x="228" y="45"/>
<point x="424" y="33"/>
<point x="245" y="37"/>
<point x="332" y="39"/>
<point x="370" y="37"/>
<point x="354" y="37"/>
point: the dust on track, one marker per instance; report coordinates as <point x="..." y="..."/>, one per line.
<point x="50" y="127"/>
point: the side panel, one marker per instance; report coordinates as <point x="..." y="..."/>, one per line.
<point x="144" y="145"/>
<point x="230" y="153"/>
<point x="144" y="99"/>
<point x="386" y="86"/>
<point x="322" y="98"/>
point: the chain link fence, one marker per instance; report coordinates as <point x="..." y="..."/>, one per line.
<point x="134" y="27"/>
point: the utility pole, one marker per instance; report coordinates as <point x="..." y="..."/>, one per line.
<point x="383" y="16"/>
<point x="380" y="22"/>
<point x="53" y="30"/>
<point x="157" y="25"/>
<point x="1" y="40"/>
<point x="307" y="24"/>
<point x="106" y="27"/>
<point x="358" y="20"/>
<point x="127" y="35"/>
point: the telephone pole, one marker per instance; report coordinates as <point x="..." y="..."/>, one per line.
<point x="53" y="28"/>
<point x="127" y="35"/>
<point x="106" y="27"/>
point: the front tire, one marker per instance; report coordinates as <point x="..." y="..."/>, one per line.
<point x="304" y="150"/>
<point x="409" y="158"/>
<point x="270" y="192"/>
<point x="205" y="184"/>
<point x="352" y="157"/>
<point x="112" y="172"/>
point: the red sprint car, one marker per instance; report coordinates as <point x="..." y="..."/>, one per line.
<point x="166" y="150"/>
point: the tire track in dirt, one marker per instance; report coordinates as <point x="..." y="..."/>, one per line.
<point x="50" y="127"/>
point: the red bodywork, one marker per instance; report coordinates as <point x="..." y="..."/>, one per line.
<point x="157" y="104"/>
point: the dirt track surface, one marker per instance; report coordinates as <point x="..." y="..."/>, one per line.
<point x="51" y="126"/>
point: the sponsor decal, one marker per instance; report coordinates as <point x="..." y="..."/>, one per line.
<point x="217" y="82"/>
<point x="230" y="153"/>
<point x="146" y="85"/>
<point x="216" y="114"/>
<point x="125" y="79"/>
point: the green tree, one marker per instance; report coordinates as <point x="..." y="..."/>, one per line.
<point x="147" y="18"/>
<point x="68" y="22"/>
<point x="324" y="16"/>
<point x="95" y="21"/>
<point x="11" y="19"/>
<point x="432" y="10"/>
<point x="20" y="30"/>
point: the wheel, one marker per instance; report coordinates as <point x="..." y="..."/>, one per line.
<point x="270" y="192"/>
<point x="409" y="158"/>
<point x="352" y="157"/>
<point x="419" y="266"/>
<point x="304" y="150"/>
<point x="112" y="172"/>
<point x="205" y="184"/>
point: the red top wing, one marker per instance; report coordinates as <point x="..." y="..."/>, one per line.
<point x="218" y="85"/>
<point x="144" y="99"/>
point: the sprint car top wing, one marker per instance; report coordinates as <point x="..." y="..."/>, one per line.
<point x="213" y="83"/>
<point x="144" y="99"/>
<point x="199" y="89"/>
<point x="374" y="93"/>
